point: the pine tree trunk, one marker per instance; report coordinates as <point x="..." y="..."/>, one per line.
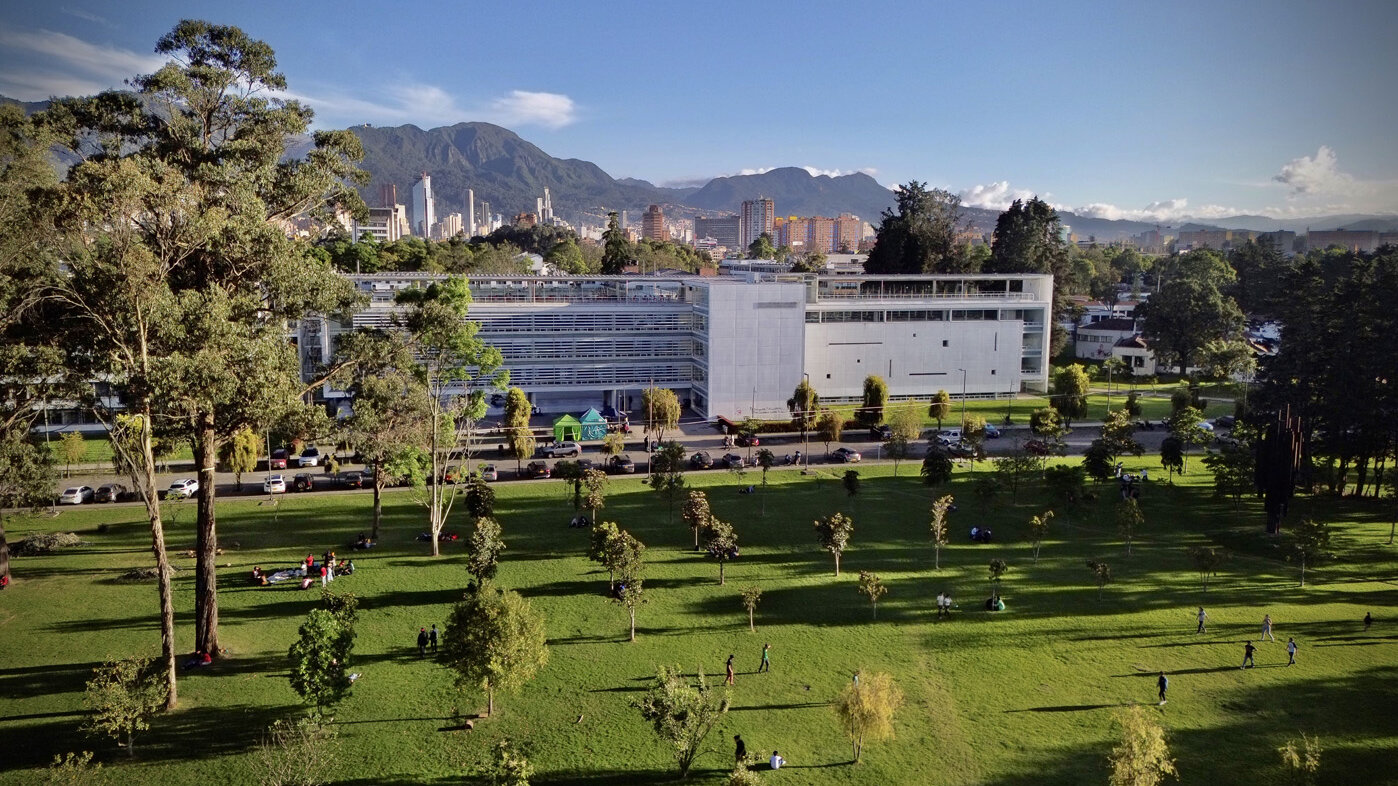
<point x="378" y="502"/>
<point x="143" y="475"/>
<point x="206" y="548"/>
<point x="633" y="623"/>
<point x="4" y="549"/>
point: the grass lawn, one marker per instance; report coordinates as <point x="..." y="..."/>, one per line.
<point x="1024" y="696"/>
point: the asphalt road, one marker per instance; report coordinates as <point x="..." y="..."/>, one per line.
<point x="697" y="440"/>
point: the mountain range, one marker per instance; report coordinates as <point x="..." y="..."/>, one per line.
<point x="511" y="173"/>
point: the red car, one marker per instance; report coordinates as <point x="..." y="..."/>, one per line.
<point x="278" y="459"/>
<point x="748" y="441"/>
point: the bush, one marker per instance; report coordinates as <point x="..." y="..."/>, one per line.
<point x="44" y="543"/>
<point x="987" y="486"/>
<point x="139" y="575"/>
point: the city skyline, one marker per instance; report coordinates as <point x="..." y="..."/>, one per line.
<point x="1198" y="111"/>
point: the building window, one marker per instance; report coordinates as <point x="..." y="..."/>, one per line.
<point x="946" y="343"/>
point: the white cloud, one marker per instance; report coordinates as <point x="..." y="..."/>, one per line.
<point x="762" y="170"/>
<point x="816" y="172"/>
<point x="1315" y="175"/>
<point x="42" y="64"/>
<point x="522" y="107"/>
<point x="1167" y="210"/>
<point x="994" y="196"/>
<point x="86" y="16"/>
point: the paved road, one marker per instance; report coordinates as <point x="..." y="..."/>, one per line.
<point x="694" y="439"/>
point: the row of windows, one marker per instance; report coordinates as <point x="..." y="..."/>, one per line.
<point x="605" y="375"/>
<point x="567" y="349"/>
<point x="925" y="315"/>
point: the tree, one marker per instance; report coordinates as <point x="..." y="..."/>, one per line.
<point x="973" y="432"/>
<point x="123" y="695"/>
<point x="1097" y="461"/>
<point x="1048" y="425"/>
<point x="478" y="497"/>
<point x="936" y="467"/>
<point x="1186" y="425"/>
<point x="1141" y="757"/>
<point x="940" y="529"/>
<point x="614" y="444"/>
<point x="1118" y="435"/>
<point x="1070" y="388"/>
<point x="682" y="714"/>
<point x="662" y="408"/>
<point x="866" y="709"/>
<point x="1129" y="518"/>
<point x="829" y="425"/>
<point x="1028" y="239"/>
<point x="751" y="595"/>
<point x="667" y="473"/>
<point x="1310" y="541"/>
<point x="696" y="513"/>
<point x="1101" y="573"/>
<point x="495" y="640"/>
<point x="998" y="568"/>
<point x="1190" y="310"/>
<point x="906" y="426"/>
<point x="448" y="356"/>
<point x="1133" y="404"/>
<point x="483" y="551"/>
<point x="240" y="454"/>
<point x="1113" y="367"/>
<point x="872" y="587"/>
<point x="617" y="251"/>
<point x="1066" y="483"/>
<point x="320" y="659"/>
<point x="939" y="408"/>
<point x="833" y="533"/>
<point x="1017" y="467"/>
<point x="803" y="405"/>
<point x="870" y="412"/>
<point x="71" y="448"/>
<point x="922" y="236"/>
<point x="596" y="482"/>
<point x="762" y="248"/>
<point x="26" y="481"/>
<point x="1301" y="762"/>
<point x="631" y="572"/>
<point x="765" y="460"/>
<point x="1207" y="560"/>
<point x="507" y="765"/>
<point x="568" y="258"/>
<point x="721" y="540"/>
<point x="812" y="261"/>
<point x="1038" y="530"/>
<point x="603" y="548"/>
<point x="850" y="481"/>
<point x="516" y="424"/>
<point x="1172" y="457"/>
<point x="1233" y="468"/>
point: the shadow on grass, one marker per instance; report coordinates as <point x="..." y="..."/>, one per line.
<point x="1071" y="708"/>
<point x="31" y="681"/>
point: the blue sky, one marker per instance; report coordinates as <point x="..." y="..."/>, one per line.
<point x="1123" y="110"/>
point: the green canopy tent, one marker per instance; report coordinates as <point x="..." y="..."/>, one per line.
<point x="566" y="428"/>
<point x="594" y="426"/>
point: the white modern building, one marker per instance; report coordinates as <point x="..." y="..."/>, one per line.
<point x="739" y="344"/>
<point x="424" y="206"/>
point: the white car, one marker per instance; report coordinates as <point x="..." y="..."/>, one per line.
<point x="489" y="473"/>
<point x="183" y="488"/>
<point x="274" y="484"/>
<point x="310" y="457"/>
<point x="76" y="495"/>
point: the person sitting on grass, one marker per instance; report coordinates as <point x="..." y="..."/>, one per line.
<point x="363" y="542"/>
<point x="776" y="761"/>
<point x="259" y="579"/>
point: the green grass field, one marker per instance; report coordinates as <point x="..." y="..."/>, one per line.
<point x="1024" y="696"/>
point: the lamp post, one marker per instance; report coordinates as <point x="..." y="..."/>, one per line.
<point x="963" y="398"/>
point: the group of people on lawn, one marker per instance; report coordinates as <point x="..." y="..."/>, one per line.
<point x="327" y="569"/>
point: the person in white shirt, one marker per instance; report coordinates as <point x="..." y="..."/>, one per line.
<point x="777" y="761"/>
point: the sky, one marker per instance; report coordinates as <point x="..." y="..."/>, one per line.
<point x="1144" y="110"/>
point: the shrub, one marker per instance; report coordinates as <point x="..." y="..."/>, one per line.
<point x="44" y="543"/>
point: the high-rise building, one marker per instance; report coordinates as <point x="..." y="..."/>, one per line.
<point x="653" y="224"/>
<point x="383" y="224"/>
<point x="470" y="213"/>
<point x="723" y="230"/>
<point x="424" y="207"/>
<point x="388" y="195"/>
<point x="849" y="230"/>
<point x="546" y="209"/>
<point x="758" y="218"/>
<point x="449" y="227"/>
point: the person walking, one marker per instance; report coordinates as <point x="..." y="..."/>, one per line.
<point x="1202" y="617"/>
<point x="941" y="603"/>
<point x="1291" y="651"/>
<point x="1164" y="685"/>
<point x="1267" y="628"/>
<point x="766" y="664"/>
<point x="422" y="642"/>
<point x="432" y="638"/>
<point x="324" y="577"/>
<point x="740" y="751"/>
<point x="728" y="667"/>
<point x="1248" y="650"/>
<point x="1368" y="620"/>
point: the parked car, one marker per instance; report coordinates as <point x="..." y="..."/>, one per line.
<point x="621" y="465"/>
<point x="349" y="480"/>
<point x="560" y="449"/>
<point x="1227" y="421"/>
<point x="76" y="495"/>
<point x="490" y="473"/>
<point x="453" y="474"/>
<point x="112" y="492"/>
<point x="1038" y="447"/>
<point x="882" y="433"/>
<point x="992" y="431"/>
<point x="1207" y="426"/>
<point x="184" y="488"/>
<point x="585" y="464"/>
<point x="961" y="450"/>
<point x="701" y="460"/>
<point x="303" y="481"/>
<point x="274" y="484"/>
<point x="278" y="459"/>
<point x="732" y="461"/>
<point x="747" y="441"/>
<point x="537" y="469"/>
<point x="310" y="457"/>
<point x="949" y="436"/>
<point x="846" y="455"/>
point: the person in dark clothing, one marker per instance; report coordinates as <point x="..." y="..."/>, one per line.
<point x="1248" y="650"/>
<point x="1368" y="620"/>
<point x="729" y="668"/>
<point x="432" y="638"/>
<point x="740" y="751"/>
<point x="1164" y="683"/>
<point x="422" y="642"/>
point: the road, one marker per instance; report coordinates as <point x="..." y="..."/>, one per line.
<point x="694" y="439"/>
